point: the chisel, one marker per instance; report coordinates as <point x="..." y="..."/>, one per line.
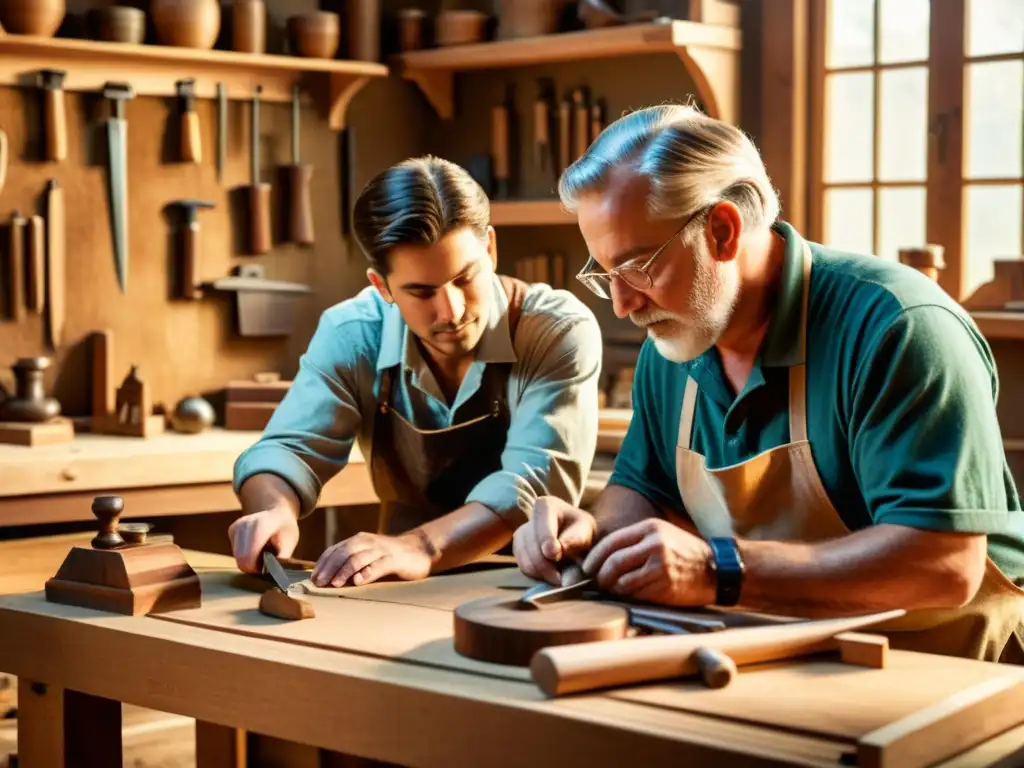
<point x="259" y="193"/>
<point x="117" y="143"/>
<point x="52" y="83"/>
<point x="55" y="262"/>
<point x="16" y="274"/>
<point x="300" y="212"/>
<point x="222" y="130"/>
<point x="191" y="140"/>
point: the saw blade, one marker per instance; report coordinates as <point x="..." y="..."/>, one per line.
<point x="118" y="147"/>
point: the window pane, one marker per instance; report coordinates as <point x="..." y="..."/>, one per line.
<point x="995" y="98"/>
<point x="995" y="26"/>
<point x="851" y="33"/>
<point x="901" y="220"/>
<point x="904" y="30"/>
<point x="993" y="218"/>
<point x="903" y="132"/>
<point x="848" y="220"/>
<point x="850" y="126"/>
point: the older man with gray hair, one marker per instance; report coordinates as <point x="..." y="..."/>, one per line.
<point x="814" y="432"/>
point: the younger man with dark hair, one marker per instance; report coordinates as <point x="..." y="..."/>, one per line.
<point x="471" y="394"/>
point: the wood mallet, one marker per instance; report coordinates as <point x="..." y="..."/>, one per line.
<point x="259" y="193"/>
<point x="595" y="665"/>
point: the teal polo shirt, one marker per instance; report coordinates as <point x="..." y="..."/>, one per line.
<point x="901" y="404"/>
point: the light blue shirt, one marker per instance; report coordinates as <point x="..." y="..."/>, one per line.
<point x="552" y="395"/>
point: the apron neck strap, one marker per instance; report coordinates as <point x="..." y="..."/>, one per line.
<point x="686" y="414"/>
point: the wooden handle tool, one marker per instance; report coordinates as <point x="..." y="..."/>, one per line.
<point x="541" y="131"/>
<point x="191" y="139"/>
<point x="500" y="149"/>
<point x="596" y="120"/>
<point x="36" y="276"/>
<point x="716" y="669"/>
<point x="300" y="207"/>
<point x="589" y="666"/>
<point x="4" y="158"/>
<point x="189" y="249"/>
<point x="564" y="134"/>
<point x="52" y="83"/>
<point x="259" y="193"/>
<point x="16" y="272"/>
<point x="581" y="123"/>
<point x="56" y="244"/>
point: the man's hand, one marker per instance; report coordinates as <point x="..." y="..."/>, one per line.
<point x="655" y="561"/>
<point x="555" y="531"/>
<point x="367" y="557"/>
<point x="251" y="533"/>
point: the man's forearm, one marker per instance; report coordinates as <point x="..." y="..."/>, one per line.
<point x="876" y="569"/>
<point x="618" y="506"/>
<point x="462" y="536"/>
<point x="267" y="491"/>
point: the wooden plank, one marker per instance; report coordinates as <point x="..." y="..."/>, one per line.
<point x="511" y="213"/>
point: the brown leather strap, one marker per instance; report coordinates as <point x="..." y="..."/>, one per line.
<point x="686" y="413"/>
<point x="515" y="290"/>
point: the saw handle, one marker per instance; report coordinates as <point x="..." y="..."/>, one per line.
<point x="191" y="143"/>
<point x="300" y="208"/>
<point x="56" y="125"/>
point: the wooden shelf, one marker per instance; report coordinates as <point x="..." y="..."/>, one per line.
<point x="152" y="70"/>
<point x="709" y="52"/>
<point x="1000" y="325"/>
<point x="526" y="213"/>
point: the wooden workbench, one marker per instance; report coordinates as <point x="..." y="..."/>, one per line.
<point x="169" y="474"/>
<point x="375" y="677"/>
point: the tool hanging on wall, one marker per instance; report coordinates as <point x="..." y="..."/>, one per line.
<point x="596" y="119"/>
<point x="188" y="248"/>
<point x="263" y="307"/>
<point x="542" y="106"/>
<point x="51" y="81"/>
<point x="222" y="130"/>
<point x="35" y="283"/>
<point x="16" y="267"/>
<point x="500" y="149"/>
<point x="4" y="158"/>
<point x="581" y="122"/>
<point x="259" y="193"/>
<point x="297" y="178"/>
<point x="56" y="245"/>
<point x="191" y="139"/>
<point x="564" y="134"/>
<point x="117" y="144"/>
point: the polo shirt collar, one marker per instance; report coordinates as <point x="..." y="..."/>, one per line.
<point x="781" y="346"/>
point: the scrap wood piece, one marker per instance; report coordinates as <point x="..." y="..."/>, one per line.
<point x="959" y="722"/>
<point x="286" y="606"/>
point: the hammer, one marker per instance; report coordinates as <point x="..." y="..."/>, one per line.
<point x="188" y="245"/>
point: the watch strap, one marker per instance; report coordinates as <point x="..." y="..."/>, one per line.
<point x="728" y="566"/>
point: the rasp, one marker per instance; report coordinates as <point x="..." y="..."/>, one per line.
<point x="117" y="144"/>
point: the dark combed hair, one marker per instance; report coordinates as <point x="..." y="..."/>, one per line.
<point x="417" y="202"/>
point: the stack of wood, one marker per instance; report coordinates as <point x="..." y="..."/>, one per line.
<point x="249" y="404"/>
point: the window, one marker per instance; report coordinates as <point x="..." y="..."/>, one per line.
<point x="917" y="136"/>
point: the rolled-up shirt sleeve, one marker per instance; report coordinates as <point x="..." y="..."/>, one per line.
<point x="552" y="436"/>
<point x="309" y="436"/>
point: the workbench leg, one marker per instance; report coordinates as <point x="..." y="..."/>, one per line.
<point x="218" y="746"/>
<point x="65" y="729"/>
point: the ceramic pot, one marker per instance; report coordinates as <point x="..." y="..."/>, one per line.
<point x="186" y="23"/>
<point x="32" y="17"/>
<point x="119" y="24"/>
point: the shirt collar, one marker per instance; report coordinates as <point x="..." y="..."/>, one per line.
<point x="397" y="343"/>
<point x="781" y="346"/>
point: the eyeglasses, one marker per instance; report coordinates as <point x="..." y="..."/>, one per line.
<point x="636" y="276"/>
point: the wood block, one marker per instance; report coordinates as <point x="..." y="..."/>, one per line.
<point x="276" y="603"/>
<point x="110" y="425"/>
<point x="863" y="650"/>
<point x="59" y="430"/>
<point x="248" y="416"/>
<point x="132" y="579"/>
<point x="257" y="392"/>
<point x="963" y="720"/>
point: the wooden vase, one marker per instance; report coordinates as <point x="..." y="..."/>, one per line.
<point x="32" y="17"/>
<point x="249" y="26"/>
<point x="314" y="35"/>
<point x="186" y="23"/>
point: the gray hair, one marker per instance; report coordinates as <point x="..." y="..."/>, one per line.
<point x="691" y="161"/>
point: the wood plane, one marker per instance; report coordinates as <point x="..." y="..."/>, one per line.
<point x="123" y="571"/>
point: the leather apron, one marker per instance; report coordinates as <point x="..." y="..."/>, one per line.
<point x="423" y="474"/>
<point x="778" y="495"/>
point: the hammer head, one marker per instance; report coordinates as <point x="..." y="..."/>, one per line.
<point x="190" y="208"/>
<point x="118" y="91"/>
<point x="51" y="79"/>
<point x="186" y="90"/>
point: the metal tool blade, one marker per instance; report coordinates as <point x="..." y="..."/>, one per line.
<point x="118" y="145"/>
<point x="273" y="567"/>
<point x="545" y="594"/>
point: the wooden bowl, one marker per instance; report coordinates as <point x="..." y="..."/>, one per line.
<point x="529" y="18"/>
<point x="187" y="23"/>
<point x="32" y="17"/>
<point x="119" y="24"/>
<point x="314" y="35"/>
<point x="461" y="27"/>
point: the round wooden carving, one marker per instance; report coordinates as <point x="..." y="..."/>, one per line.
<point x="498" y="630"/>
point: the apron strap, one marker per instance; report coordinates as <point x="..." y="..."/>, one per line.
<point x="384" y="399"/>
<point x="686" y="414"/>
<point x="798" y="373"/>
<point x="515" y="290"/>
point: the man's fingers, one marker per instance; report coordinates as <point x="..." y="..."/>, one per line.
<point x="531" y="561"/>
<point x="621" y="562"/>
<point x="378" y="569"/>
<point x="637" y="583"/>
<point x="624" y="537"/>
<point x="544" y="526"/>
<point x="575" y="540"/>
<point x="355" y="563"/>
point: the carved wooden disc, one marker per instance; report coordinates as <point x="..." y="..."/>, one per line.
<point x="497" y="630"/>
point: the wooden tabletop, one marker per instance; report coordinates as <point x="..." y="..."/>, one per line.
<point x="386" y="703"/>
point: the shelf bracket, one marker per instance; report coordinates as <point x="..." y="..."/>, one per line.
<point x="438" y="85"/>
<point x="715" y="73"/>
<point x="343" y="87"/>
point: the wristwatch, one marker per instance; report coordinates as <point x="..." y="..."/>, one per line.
<point x="727" y="564"/>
